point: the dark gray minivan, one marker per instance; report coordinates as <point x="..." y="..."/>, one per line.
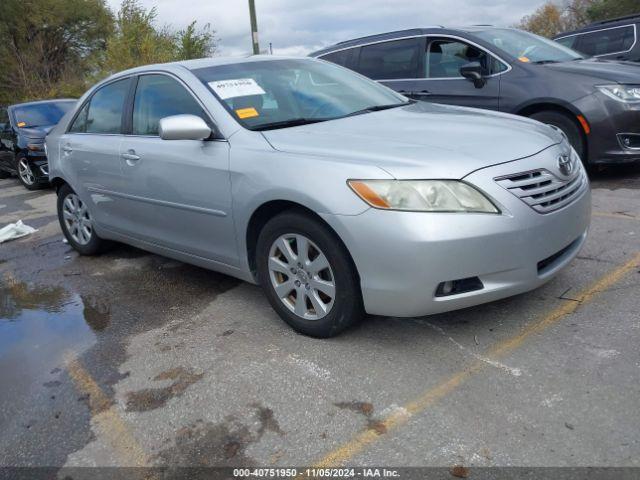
<point x="595" y="102"/>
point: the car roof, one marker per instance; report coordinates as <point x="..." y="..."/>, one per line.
<point x="411" y="32"/>
<point x="39" y="102"/>
<point x="603" y="24"/>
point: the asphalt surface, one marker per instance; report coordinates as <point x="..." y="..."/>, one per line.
<point x="132" y="359"/>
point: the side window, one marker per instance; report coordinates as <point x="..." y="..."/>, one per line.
<point x="445" y="57"/>
<point x="389" y="60"/>
<point x="79" y="125"/>
<point x="4" y="119"/>
<point x="341" y="57"/>
<point x="159" y="96"/>
<point x="104" y="111"/>
<point x="603" y="42"/>
<point x="569" y="42"/>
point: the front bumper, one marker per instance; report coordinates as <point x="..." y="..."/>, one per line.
<point x="402" y="257"/>
<point x="40" y="166"/>
<point x="609" y="118"/>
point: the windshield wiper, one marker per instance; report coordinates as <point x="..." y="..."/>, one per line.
<point x="377" y="108"/>
<point x="294" y="122"/>
<point x="542" y="62"/>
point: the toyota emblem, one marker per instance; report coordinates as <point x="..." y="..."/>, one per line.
<point x="565" y="165"/>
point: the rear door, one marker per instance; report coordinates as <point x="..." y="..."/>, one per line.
<point x="394" y="63"/>
<point x="91" y="148"/>
<point x="178" y="192"/>
<point x="443" y="57"/>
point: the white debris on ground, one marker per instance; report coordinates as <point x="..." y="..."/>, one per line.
<point x="15" y="230"/>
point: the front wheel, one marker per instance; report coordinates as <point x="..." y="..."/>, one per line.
<point x="308" y="275"/>
<point x="77" y="224"/>
<point x="26" y="175"/>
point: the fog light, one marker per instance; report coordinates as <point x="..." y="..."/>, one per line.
<point x="455" y="287"/>
<point x="630" y="141"/>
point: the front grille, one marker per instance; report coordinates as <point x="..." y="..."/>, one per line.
<point x="542" y="190"/>
<point x="549" y="262"/>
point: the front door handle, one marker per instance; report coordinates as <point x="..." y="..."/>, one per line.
<point x="130" y="156"/>
<point x="67" y="149"/>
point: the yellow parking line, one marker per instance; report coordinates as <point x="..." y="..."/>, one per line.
<point x="622" y="216"/>
<point x="105" y="418"/>
<point x="358" y="443"/>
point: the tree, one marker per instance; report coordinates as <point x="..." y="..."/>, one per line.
<point x="553" y="18"/>
<point x="49" y="46"/>
<point x="547" y="20"/>
<point x="137" y="40"/>
<point x="192" y="43"/>
<point x="603" y="9"/>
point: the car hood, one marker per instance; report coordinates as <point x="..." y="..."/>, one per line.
<point x="421" y="140"/>
<point x="607" y="70"/>
<point x="36" y="132"/>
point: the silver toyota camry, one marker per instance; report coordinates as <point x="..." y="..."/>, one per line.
<point x="337" y="195"/>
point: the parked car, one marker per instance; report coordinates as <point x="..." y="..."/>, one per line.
<point x="335" y="193"/>
<point x="595" y="103"/>
<point x="22" y="130"/>
<point x="615" y="39"/>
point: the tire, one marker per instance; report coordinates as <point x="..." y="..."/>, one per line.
<point x="325" y="313"/>
<point x="83" y="243"/>
<point x="568" y="125"/>
<point x="26" y="176"/>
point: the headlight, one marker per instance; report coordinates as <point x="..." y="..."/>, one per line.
<point x="422" y="195"/>
<point x="622" y="93"/>
<point x="36" y="147"/>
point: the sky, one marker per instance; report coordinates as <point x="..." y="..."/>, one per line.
<point x="296" y="27"/>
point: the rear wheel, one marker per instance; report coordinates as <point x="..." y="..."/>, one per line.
<point x="568" y="125"/>
<point x="307" y="275"/>
<point x="77" y="224"/>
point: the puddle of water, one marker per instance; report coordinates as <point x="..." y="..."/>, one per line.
<point x="38" y="327"/>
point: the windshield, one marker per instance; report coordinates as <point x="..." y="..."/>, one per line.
<point x="41" y="114"/>
<point x="528" y="47"/>
<point x="270" y="94"/>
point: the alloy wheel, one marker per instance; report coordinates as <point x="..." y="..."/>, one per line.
<point x="25" y="172"/>
<point x="301" y="276"/>
<point x="77" y="219"/>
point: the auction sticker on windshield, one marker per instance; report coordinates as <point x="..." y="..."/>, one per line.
<point x="239" y="87"/>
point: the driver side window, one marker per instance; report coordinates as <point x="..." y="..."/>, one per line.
<point x="444" y="57"/>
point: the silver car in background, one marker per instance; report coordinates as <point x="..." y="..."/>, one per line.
<point x="336" y="194"/>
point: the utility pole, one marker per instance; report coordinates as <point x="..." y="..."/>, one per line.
<point x="254" y="27"/>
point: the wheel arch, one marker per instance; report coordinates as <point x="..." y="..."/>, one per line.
<point x="551" y="104"/>
<point x="269" y="209"/>
<point x="57" y="183"/>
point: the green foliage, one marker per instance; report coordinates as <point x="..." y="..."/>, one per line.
<point x="47" y="46"/>
<point x="191" y="43"/>
<point x="57" y="48"/>
<point x="553" y="17"/>
<point x="602" y="9"/>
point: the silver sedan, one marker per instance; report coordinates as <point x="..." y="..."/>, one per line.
<point x="336" y="194"/>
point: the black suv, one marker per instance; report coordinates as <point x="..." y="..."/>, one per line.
<point x="615" y="39"/>
<point x="22" y="130"/>
<point x="595" y="102"/>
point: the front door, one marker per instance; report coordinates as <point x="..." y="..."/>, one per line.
<point x="178" y="191"/>
<point x="442" y="82"/>
<point x="7" y="142"/>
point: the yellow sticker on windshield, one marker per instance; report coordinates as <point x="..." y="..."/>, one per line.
<point x="247" y="112"/>
<point x="22" y="124"/>
<point x="524" y="59"/>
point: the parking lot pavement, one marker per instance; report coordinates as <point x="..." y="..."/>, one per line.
<point x="134" y="359"/>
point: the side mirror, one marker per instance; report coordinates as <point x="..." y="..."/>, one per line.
<point x="473" y="71"/>
<point x="183" y="127"/>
